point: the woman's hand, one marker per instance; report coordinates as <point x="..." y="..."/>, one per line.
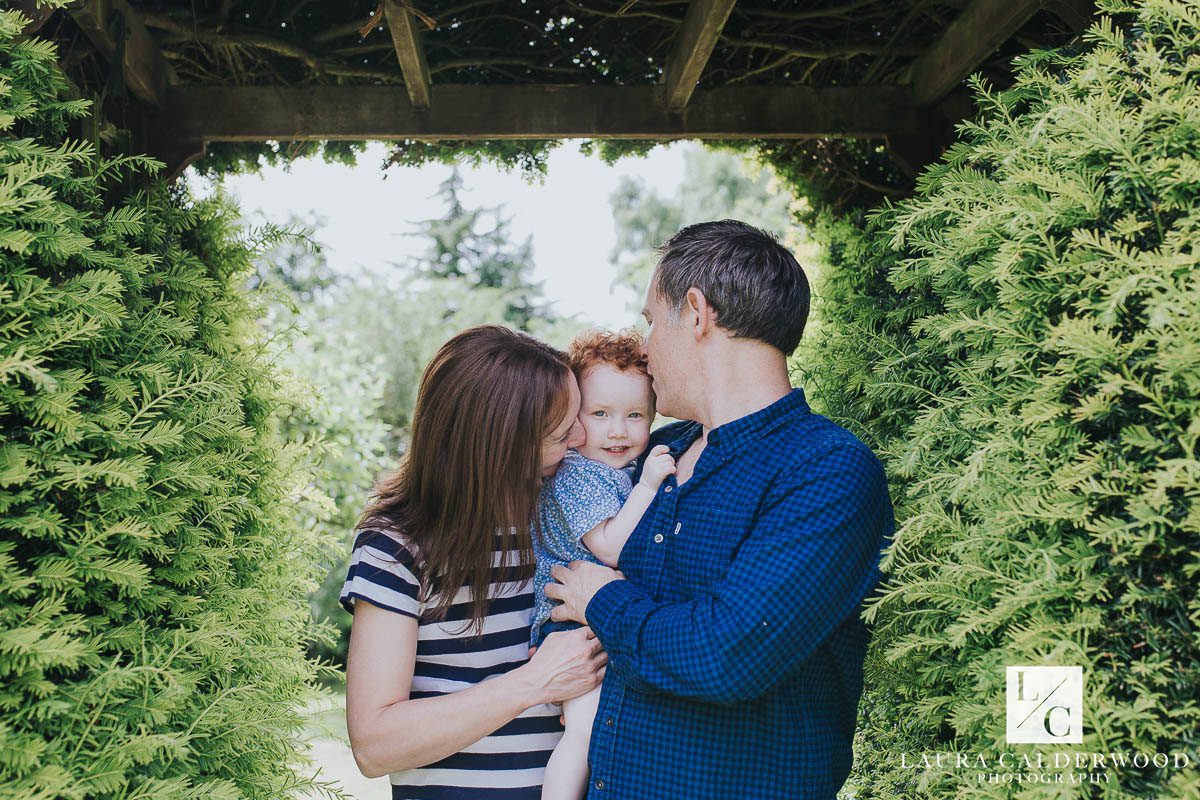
<point x="567" y="665"/>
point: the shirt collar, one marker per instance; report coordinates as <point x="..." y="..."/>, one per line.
<point x="744" y="430"/>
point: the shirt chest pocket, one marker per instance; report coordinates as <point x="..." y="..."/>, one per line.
<point x="703" y="544"/>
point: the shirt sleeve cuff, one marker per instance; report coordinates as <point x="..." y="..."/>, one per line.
<point x="605" y="614"/>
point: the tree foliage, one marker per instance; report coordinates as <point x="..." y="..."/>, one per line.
<point x="152" y="582"/>
<point x="334" y="387"/>
<point x="474" y="244"/>
<point x="1020" y="343"/>
<point x="716" y="185"/>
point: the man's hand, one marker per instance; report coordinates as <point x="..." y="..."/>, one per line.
<point x="575" y="587"/>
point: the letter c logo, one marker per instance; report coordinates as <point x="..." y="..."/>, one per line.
<point x="1046" y="720"/>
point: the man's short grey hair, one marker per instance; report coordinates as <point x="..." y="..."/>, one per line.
<point x="754" y="283"/>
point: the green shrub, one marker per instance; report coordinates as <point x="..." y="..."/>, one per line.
<point x="152" y="589"/>
<point x="1021" y="344"/>
<point x="336" y="376"/>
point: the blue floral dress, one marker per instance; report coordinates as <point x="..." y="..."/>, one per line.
<point x="578" y="497"/>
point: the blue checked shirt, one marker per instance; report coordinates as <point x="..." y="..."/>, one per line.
<point x="735" y="645"/>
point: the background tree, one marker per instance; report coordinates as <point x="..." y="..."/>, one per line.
<point x="356" y="343"/>
<point x="716" y="185"/>
<point x="333" y="394"/>
<point x="475" y="244"/>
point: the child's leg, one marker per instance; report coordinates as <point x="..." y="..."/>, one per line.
<point x="567" y="771"/>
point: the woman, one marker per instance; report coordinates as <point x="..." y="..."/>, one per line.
<point x="440" y="689"/>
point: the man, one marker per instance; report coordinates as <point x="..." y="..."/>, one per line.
<point x="735" y="646"/>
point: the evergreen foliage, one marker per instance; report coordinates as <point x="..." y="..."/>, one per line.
<point x="473" y="244"/>
<point x="1020" y="343"/>
<point x="152" y="582"/>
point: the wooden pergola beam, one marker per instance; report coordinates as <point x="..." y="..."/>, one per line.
<point x="693" y="45"/>
<point x="975" y="34"/>
<point x="36" y="13"/>
<point x="409" y="52"/>
<point x="358" y="113"/>
<point x="145" y="70"/>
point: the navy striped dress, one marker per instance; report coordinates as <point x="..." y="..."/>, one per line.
<point x="505" y="765"/>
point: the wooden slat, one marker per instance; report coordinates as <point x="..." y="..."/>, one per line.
<point x="36" y="13"/>
<point x="693" y="45"/>
<point x="975" y="34"/>
<point x="209" y="114"/>
<point x="1077" y="14"/>
<point x="409" y="52"/>
<point x="145" y="70"/>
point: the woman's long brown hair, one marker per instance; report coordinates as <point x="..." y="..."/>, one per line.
<point x="468" y="483"/>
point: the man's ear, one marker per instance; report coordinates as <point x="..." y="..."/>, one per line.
<point x="703" y="317"/>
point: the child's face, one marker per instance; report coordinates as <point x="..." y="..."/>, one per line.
<point x="616" y="413"/>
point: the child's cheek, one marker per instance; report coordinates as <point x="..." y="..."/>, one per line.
<point x="643" y="435"/>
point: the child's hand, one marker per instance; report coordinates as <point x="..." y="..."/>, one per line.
<point x="657" y="466"/>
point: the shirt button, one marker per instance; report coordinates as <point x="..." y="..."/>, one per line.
<point x="658" y="537"/>
<point x="608" y="721"/>
<point x="599" y="784"/>
<point x="668" y="489"/>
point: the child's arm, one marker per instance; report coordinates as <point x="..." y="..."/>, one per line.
<point x="606" y="539"/>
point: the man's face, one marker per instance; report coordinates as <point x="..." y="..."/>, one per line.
<point x="667" y="348"/>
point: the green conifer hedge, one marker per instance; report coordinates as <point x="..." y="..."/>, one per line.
<point x="152" y="585"/>
<point x="1021" y="344"/>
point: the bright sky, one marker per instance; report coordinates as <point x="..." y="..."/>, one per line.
<point x="367" y="211"/>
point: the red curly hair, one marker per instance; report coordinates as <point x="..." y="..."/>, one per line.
<point x="619" y="349"/>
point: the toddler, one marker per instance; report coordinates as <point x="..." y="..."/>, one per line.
<point x="588" y="508"/>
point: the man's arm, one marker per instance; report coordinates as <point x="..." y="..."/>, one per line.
<point x="805" y="568"/>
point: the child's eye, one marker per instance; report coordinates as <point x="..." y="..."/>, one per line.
<point x="598" y="413"/>
<point x="636" y="415"/>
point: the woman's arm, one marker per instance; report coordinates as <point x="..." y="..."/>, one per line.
<point x="390" y="733"/>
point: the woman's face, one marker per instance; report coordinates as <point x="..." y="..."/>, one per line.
<point x="565" y="434"/>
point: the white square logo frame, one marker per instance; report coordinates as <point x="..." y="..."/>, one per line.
<point x="1045" y="705"/>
